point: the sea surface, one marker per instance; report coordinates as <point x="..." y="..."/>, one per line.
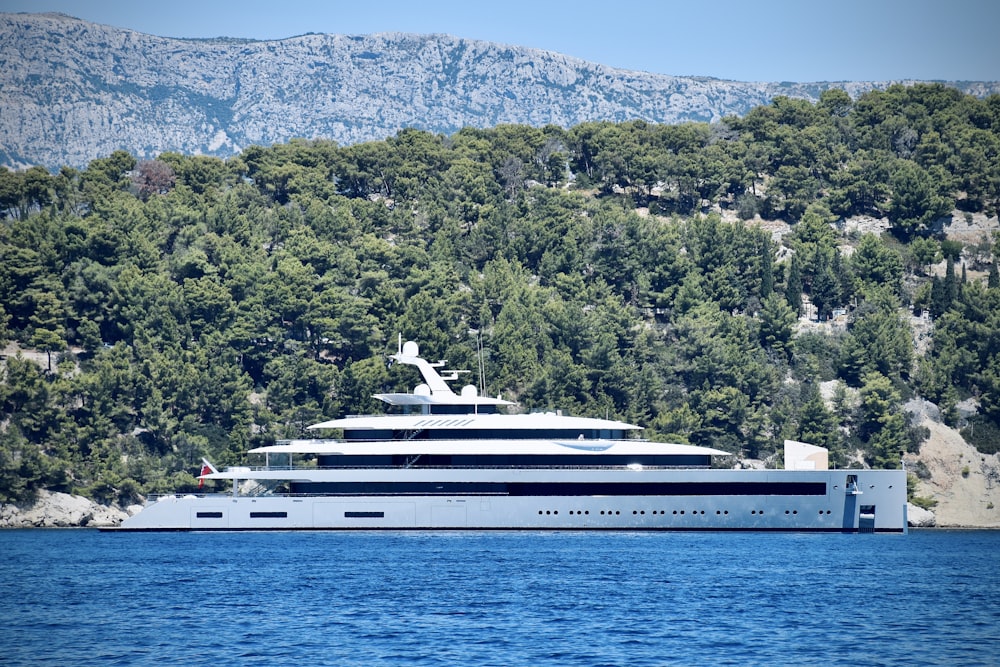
<point x="80" y="597"/>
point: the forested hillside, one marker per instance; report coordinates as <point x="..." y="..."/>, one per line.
<point x="192" y="306"/>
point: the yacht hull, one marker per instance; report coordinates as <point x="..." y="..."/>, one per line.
<point x="837" y="501"/>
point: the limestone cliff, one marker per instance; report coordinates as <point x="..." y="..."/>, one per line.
<point x="72" y="91"/>
<point x="964" y="482"/>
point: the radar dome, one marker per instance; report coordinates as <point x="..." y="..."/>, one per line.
<point x="411" y="349"/>
<point x="469" y="391"/>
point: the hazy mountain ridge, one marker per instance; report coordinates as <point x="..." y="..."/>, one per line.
<point x="72" y="91"/>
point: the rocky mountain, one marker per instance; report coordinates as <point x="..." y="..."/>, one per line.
<point x="72" y="91"/>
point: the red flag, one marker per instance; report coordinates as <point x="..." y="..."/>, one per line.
<point x="205" y="470"/>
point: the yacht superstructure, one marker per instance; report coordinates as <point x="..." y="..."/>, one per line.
<point x="453" y="461"/>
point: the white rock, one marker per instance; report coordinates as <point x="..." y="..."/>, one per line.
<point x="920" y="408"/>
<point x="60" y="510"/>
<point x="918" y="517"/>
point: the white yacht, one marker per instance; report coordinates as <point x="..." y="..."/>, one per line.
<point x="454" y="461"/>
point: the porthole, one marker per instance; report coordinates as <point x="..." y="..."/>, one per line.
<point x="753" y="511"/>
<point x="548" y="512"/>
<point x="556" y="512"/>
<point x="718" y="512"/>
<point x="682" y="511"/>
<point x="587" y="512"/>
<point x="787" y="512"/>
<point x="726" y="512"/>
<point x="539" y="511"/>
<point x="617" y="512"/>
<point x="602" y="512"/>
<point x="642" y="512"/>
<point x="821" y="511"/>
<point x="675" y="511"/>
<point x="635" y="511"/>
<point x="795" y="511"/>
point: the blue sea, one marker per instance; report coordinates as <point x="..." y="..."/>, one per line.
<point x="80" y="597"/>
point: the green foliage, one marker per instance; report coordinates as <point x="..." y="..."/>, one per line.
<point x="924" y="502"/>
<point x="916" y="199"/>
<point x="881" y="423"/>
<point x="816" y="424"/>
<point x="191" y="306"/>
<point x="777" y="321"/>
<point x="879" y="340"/>
<point x="983" y="433"/>
<point x="876" y="266"/>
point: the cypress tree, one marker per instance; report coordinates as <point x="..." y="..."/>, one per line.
<point x="793" y="288"/>
<point x="766" y="271"/>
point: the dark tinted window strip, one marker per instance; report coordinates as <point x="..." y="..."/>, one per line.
<point x="671" y="489"/>
<point x="209" y="515"/>
<point x="268" y="515"/>
<point x="364" y="515"/>
<point x="570" y="489"/>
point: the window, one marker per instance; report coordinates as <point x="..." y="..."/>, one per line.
<point x="366" y="515"/>
<point x="268" y="515"/>
<point x="209" y="515"/>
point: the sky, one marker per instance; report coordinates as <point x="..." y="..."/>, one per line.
<point x="766" y="40"/>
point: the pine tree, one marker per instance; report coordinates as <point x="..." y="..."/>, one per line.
<point x="824" y="293"/>
<point x="816" y="425"/>
<point x="47" y="331"/>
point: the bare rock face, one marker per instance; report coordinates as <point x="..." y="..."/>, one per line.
<point x="60" y="510"/>
<point x="964" y="482"/>
<point x="920" y="409"/>
<point x="72" y="91"/>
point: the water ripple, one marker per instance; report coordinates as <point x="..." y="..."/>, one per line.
<point x="87" y="598"/>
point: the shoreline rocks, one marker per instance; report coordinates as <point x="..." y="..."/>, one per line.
<point x="918" y="517"/>
<point x="60" y="510"/>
